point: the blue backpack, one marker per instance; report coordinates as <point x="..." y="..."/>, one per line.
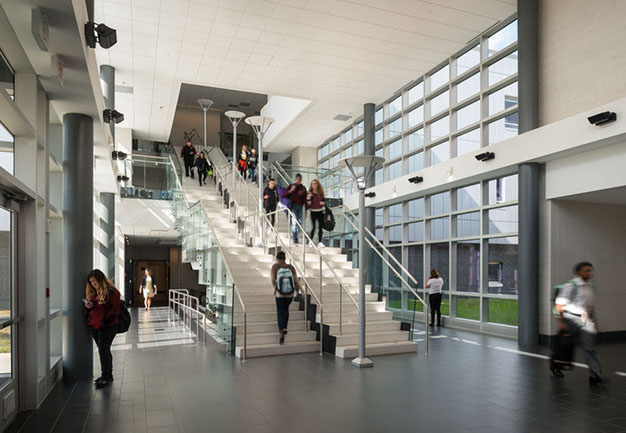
<point x="285" y="284"/>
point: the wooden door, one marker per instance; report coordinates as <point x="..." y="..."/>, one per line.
<point x="160" y="275"/>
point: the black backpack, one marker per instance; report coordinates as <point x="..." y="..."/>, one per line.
<point x="124" y="319"/>
<point x="328" y="223"/>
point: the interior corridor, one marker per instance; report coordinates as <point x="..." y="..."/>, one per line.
<point x="166" y="382"/>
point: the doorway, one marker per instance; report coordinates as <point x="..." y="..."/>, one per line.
<point x="160" y="275"/>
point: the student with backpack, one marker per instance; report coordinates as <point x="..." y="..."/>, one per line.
<point x="285" y="282"/>
<point x="203" y="168"/>
<point x="102" y="306"/>
<point x="574" y="305"/>
<point x="316" y="206"/>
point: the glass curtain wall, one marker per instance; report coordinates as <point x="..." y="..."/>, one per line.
<point x="466" y="103"/>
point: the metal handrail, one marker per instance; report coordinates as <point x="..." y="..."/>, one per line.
<point x="245" y="323"/>
<point x="187" y="304"/>
<point x="217" y="242"/>
<point x="402" y="280"/>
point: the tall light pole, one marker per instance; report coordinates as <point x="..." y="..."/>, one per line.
<point x="260" y="125"/>
<point x="205" y="104"/>
<point x="369" y="164"/>
<point x="235" y="117"/>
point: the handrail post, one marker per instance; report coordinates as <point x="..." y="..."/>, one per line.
<point x="245" y="335"/>
<point x="426" y="326"/>
<point x="340" y="310"/>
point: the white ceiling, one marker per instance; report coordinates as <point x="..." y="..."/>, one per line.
<point x="338" y="54"/>
<point x="146" y="219"/>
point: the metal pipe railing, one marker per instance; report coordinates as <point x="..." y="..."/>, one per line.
<point x="181" y="299"/>
<point x="398" y="274"/>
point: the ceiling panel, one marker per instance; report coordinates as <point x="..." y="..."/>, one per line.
<point x="338" y="54"/>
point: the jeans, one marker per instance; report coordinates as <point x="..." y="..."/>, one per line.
<point x="316" y="220"/>
<point x="104" y="339"/>
<point x="282" y="312"/>
<point x="435" y="306"/>
<point x="585" y="334"/>
<point x="189" y="167"/>
<point x="252" y="174"/>
<point x="297" y="211"/>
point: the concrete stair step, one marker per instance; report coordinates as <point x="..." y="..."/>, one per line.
<point x="349" y="307"/>
<point x="353" y="317"/>
<point x="269" y="327"/>
<point x="372" y="337"/>
<point x="377" y="349"/>
<point x="265" y="307"/>
<point x="267" y="316"/>
<point x="273" y="337"/>
<point x="375" y="326"/>
<point x="278" y="349"/>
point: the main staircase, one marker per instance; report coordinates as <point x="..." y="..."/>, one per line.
<point x="326" y="320"/>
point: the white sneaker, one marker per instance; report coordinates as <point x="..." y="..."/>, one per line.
<point x="310" y="244"/>
<point x="321" y="245"/>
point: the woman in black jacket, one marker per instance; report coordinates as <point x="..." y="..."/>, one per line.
<point x="202" y="164"/>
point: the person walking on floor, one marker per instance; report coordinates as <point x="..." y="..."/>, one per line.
<point x="296" y="192"/>
<point x="435" y="292"/>
<point x="285" y="282"/>
<point x="270" y="200"/>
<point x="253" y="162"/>
<point x="101" y="307"/>
<point x="574" y="303"/>
<point x="202" y="164"/>
<point x="242" y="162"/>
<point x="315" y="205"/>
<point x="148" y="287"/>
<point x="188" y="154"/>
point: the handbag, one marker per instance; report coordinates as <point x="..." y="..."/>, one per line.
<point x="328" y="223"/>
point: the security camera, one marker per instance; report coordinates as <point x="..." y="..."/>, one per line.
<point x="416" y="179"/>
<point x="370" y="194"/>
<point x="118" y="155"/>
<point x="602" y="118"/>
<point x="485" y="156"/>
<point x="103" y="34"/>
<point x="122" y="178"/>
<point x="114" y="115"/>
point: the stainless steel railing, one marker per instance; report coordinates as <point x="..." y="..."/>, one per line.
<point x="183" y="307"/>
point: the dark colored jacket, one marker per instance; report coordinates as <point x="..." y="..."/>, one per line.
<point x="315" y="202"/>
<point x="188" y="153"/>
<point x="244" y="158"/>
<point x="252" y="162"/>
<point x="202" y="164"/>
<point x="297" y="196"/>
<point x="272" y="201"/>
<point x="143" y="282"/>
<point x="104" y="315"/>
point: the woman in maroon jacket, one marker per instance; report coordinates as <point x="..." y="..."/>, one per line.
<point x="102" y="311"/>
<point x="315" y="205"/>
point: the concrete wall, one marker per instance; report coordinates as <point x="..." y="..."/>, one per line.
<point x="582" y="56"/>
<point x="304" y="157"/>
<point x="593" y="232"/>
<point x="187" y="118"/>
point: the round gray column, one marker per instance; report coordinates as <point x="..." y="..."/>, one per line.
<point x="77" y="242"/>
<point x="107" y="199"/>
<point x="107" y="79"/>
<point x="529" y="198"/>
<point x="369" y="149"/>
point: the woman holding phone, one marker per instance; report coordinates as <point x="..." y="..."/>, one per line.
<point x="102" y="311"/>
<point x="148" y="288"/>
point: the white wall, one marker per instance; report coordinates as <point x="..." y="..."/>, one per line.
<point x="581" y="55"/>
<point x="304" y="157"/>
<point x="283" y="110"/>
<point x="596" y="170"/>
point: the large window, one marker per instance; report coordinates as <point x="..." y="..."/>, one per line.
<point x="7" y="76"/>
<point x="6" y="296"/>
<point x="7" y="144"/>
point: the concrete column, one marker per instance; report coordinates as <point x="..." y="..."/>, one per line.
<point x="90" y="9"/>
<point x="78" y="242"/>
<point x="528" y="43"/>
<point x="107" y="199"/>
<point x="368" y="144"/>
<point x="107" y="80"/>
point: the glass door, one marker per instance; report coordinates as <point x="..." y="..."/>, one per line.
<point x="8" y="327"/>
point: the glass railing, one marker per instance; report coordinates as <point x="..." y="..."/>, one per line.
<point x="200" y="247"/>
<point x="335" y="182"/>
<point x="149" y="177"/>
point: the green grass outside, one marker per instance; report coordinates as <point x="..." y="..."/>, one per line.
<point x="5" y="340"/>
<point x="503" y="311"/>
<point x="468" y="308"/>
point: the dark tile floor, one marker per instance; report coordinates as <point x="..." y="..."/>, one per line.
<point x="165" y="382"/>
